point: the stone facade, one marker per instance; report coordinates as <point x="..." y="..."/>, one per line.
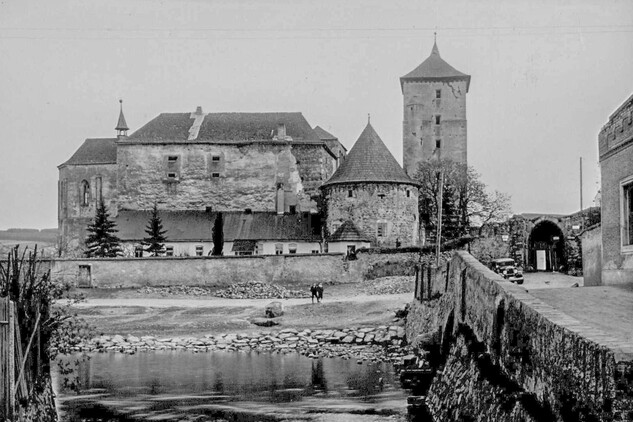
<point x="615" y="145"/>
<point x="385" y="212"/>
<point x="424" y="137"/>
<point x="244" y="176"/>
<point x="80" y="189"/>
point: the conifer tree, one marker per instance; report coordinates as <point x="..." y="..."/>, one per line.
<point x="218" y="235"/>
<point x="102" y="240"/>
<point x="155" y="240"/>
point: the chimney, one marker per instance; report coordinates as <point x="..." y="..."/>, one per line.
<point x="281" y="131"/>
<point x="281" y="207"/>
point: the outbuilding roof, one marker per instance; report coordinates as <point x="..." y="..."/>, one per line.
<point x="434" y="68"/>
<point x="348" y="232"/>
<point x="197" y="226"/>
<point x="224" y="127"/>
<point x="369" y="160"/>
<point x="94" y="151"/>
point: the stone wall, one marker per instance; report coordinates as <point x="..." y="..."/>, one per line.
<point x="552" y="363"/>
<point x="244" y="176"/>
<point x="221" y="271"/>
<point x="420" y="130"/>
<point x="372" y="204"/>
<point x="592" y="256"/>
<point x="315" y="165"/>
<point x="73" y="215"/>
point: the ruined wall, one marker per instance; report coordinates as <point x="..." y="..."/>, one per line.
<point x="555" y="367"/>
<point x="73" y="215"/>
<point x="372" y="204"/>
<point x="315" y="166"/>
<point x="243" y="176"/>
<point x="420" y="131"/>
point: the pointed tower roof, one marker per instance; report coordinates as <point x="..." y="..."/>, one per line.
<point x="349" y="232"/>
<point x="434" y="68"/>
<point x="121" y="124"/>
<point x="369" y="160"/>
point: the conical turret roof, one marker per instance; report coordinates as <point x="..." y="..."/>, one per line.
<point x="369" y="160"/>
<point x="434" y="68"/>
<point x="121" y="124"/>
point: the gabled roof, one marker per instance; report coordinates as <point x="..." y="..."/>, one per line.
<point x="350" y="233"/>
<point x="94" y="151"/>
<point x="224" y="127"/>
<point x="434" y="68"/>
<point x="324" y="135"/>
<point x="369" y="160"/>
<point x="197" y="226"/>
<point x="181" y="226"/>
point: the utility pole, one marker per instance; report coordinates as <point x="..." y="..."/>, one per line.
<point x="580" y="184"/>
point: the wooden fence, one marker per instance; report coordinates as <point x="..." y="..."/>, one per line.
<point x="19" y="367"/>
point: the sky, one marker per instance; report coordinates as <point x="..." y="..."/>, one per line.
<point x="546" y="75"/>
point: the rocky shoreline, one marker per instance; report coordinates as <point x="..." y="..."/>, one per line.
<point x="375" y="344"/>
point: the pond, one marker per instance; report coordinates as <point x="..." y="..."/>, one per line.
<point x="229" y="386"/>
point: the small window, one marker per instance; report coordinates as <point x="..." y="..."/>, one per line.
<point x="85" y="193"/>
<point x="438" y="93"/>
<point x="381" y="195"/>
<point x="173" y="167"/>
<point x="215" y="174"/>
<point x="169" y="251"/>
<point x="171" y="175"/>
<point x="408" y="193"/>
<point x="381" y="230"/>
<point x="138" y="252"/>
<point x="438" y="143"/>
<point x="292" y="209"/>
<point x="292" y="248"/>
<point x="279" y="249"/>
<point x="438" y="119"/>
<point x="351" y="249"/>
<point x="315" y="251"/>
<point x="350" y="193"/>
<point x="215" y="158"/>
<point x="199" y="250"/>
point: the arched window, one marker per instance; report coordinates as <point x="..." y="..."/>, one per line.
<point x="85" y="193"/>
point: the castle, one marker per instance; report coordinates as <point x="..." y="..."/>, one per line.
<point x="284" y="186"/>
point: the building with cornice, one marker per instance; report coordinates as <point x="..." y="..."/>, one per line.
<point x="434" y="124"/>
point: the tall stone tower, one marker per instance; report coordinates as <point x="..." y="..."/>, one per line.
<point x="434" y="123"/>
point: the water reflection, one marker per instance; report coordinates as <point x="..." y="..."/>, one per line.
<point x="125" y="387"/>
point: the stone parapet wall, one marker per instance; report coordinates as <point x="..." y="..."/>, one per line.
<point x="558" y="362"/>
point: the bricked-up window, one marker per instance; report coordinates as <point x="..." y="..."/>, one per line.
<point x="438" y="119"/>
<point x="85" y="193"/>
<point x="438" y="93"/>
<point x="627" y="213"/>
<point x="199" y="250"/>
<point x="279" y="249"/>
<point x="173" y="167"/>
<point x="381" y="229"/>
<point x="169" y="251"/>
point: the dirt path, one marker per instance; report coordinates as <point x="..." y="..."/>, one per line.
<point x="216" y="302"/>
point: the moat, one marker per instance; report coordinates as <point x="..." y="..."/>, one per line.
<point x="217" y="386"/>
